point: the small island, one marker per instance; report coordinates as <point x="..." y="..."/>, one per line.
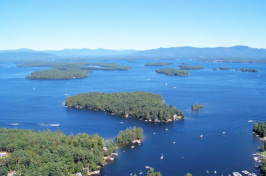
<point x="172" y="72"/>
<point x="130" y="135"/>
<point x="214" y="69"/>
<point x="247" y="70"/>
<point x="158" y="63"/>
<point x="187" y="67"/>
<point x="196" y="106"/>
<point x="224" y="68"/>
<point x="142" y="105"/>
<point x="260" y="129"/>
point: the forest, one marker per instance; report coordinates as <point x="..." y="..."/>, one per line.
<point x="49" y="153"/>
<point x="172" y="72"/>
<point x="224" y="68"/>
<point x="158" y="63"/>
<point x="142" y="105"/>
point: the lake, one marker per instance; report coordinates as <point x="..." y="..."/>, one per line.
<point x="230" y="98"/>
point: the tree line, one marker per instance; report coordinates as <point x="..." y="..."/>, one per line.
<point x="172" y="72"/>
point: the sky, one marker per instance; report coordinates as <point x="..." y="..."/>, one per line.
<point x="131" y="24"/>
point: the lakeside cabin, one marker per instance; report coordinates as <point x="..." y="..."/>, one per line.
<point x="2" y="154"/>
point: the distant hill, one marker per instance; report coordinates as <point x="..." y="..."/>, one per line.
<point x="219" y="52"/>
<point x="161" y="53"/>
<point x="89" y="52"/>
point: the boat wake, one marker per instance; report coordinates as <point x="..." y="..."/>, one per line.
<point x="42" y="124"/>
<point x="15" y="124"/>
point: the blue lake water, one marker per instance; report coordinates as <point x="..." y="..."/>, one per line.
<point x="230" y="99"/>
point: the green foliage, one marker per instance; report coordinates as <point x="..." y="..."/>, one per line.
<point x="187" y="67"/>
<point x="129" y="135"/>
<point x="196" y="106"/>
<point x="188" y="174"/>
<point x="158" y="63"/>
<point x="111" y="147"/>
<point x="260" y="128"/>
<point x="247" y="70"/>
<point x="68" y="70"/>
<point x="263" y="167"/>
<point x="49" y="153"/>
<point x="54" y="73"/>
<point x="143" y="105"/>
<point x="152" y="173"/>
<point x="172" y="71"/>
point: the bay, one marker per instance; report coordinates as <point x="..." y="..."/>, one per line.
<point x="230" y="98"/>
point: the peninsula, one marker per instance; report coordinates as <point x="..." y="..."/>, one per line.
<point x="143" y="105"/>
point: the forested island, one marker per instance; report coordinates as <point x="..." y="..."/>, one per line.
<point x="172" y="72"/>
<point x="158" y="63"/>
<point x="127" y="136"/>
<point x="247" y="70"/>
<point x="260" y="129"/>
<point x="196" y="106"/>
<point x="187" y="67"/>
<point x="224" y="68"/>
<point x="53" y="153"/>
<point x="143" y="105"/>
<point x="68" y="70"/>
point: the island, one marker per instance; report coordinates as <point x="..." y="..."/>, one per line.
<point x="260" y="129"/>
<point x="187" y="67"/>
<point x="196" y="106"/>
<point x="158" y="63"/>
<point x="68" y="70"/>
<point x="214" y="69"/>
<point x="172" y="72"/>
<point x="129" y="135"/>
<point x="142" y="105"/>
<point x="54" y="153"/>
<point x="247" y="70"/>
<point x="224" y="68"/>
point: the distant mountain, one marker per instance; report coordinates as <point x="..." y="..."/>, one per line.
<point x="162" y="53"/>
<point x="89" y="52"/>
<point x="192" y="52"/>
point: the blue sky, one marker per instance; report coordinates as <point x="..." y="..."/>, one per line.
<point x="131" y="24"/>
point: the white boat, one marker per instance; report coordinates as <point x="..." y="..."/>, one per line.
<point x="147" y="167"/>
<point x="166" y="129"/>
<point x="207" y="171"/>
<point x="132" y="146"/>
<point x="111" y="158"/>
<point x="224" y="132"/>
<point x="174" y="142"/>
<point x="201" y="136"/>
<point x="245" y="172"/>
<point x="250" y="121"/>
<point x="161" y="157"/>
<point x="96" y="172"/>
<point x="215" y="172"/>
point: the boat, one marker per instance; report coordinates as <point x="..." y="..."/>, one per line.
<point x="132" y="146"/>
<point x="161" y="157"/>
<point x="147" y="167"/>
<point x="207" y="171"/>
<point x="97" y="172"/>
<point x="166" y="84"/>
<point x="245" y="172"/>
<point x="174" y="142"/>
<point x="215" y="172"/>
<point x="250" y="121"/>
<point x="166" y="129"/>
<point x="140" y="173"/>
<point x="236" y="174"/>
<point x="154" y="133"/>
<point x="224" y="132"/>
<point x="201" y="136"/>
<point x="256" y="165"/>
